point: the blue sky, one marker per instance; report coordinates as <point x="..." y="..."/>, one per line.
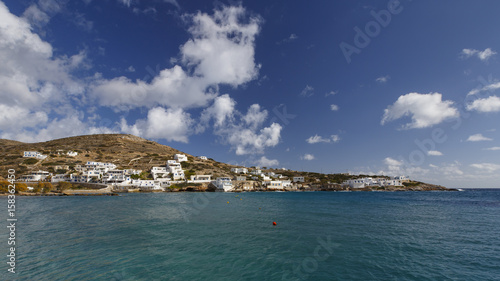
<point x="386" y="87"/>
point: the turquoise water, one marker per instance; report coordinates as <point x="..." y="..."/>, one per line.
<point x="318" y="236"/>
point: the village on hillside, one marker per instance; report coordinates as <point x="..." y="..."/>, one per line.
<point x="173" y="177"/>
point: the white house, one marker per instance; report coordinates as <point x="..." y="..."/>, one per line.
<point x="34" y="154"/>
<point x="256" y="172"/>
<point x="180" y="157"/>
<point x="401" y="178"/>
<point x="358" y="183"/>
<point x="286" y="183"/>
<point x="175" y="170"/>
<point x="200" y="179"/>
<point x="147" y="185"/>
<point x="239" y="170"/>
<point x="223" y="184"/>
<point x="103" y="167"/>
<point x="275" y="185"/>
<point x="241" y="178"/>
<point x="62" y="177"/>
<point x="36" y="176"/>
<point x="203" y="158"/>
<point x="159" y="172"/>
<point x="72" y="153"/>
<point x="298" y="179"/>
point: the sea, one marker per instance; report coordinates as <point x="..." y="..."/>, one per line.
<point x="257" y="236"/>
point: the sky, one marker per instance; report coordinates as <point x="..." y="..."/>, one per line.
<point x="373" y="87"/>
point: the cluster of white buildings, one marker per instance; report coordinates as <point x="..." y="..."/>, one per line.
<point x="38" y="155"/>
<point x="34" y="154"/>
<point x="365" y="182"/>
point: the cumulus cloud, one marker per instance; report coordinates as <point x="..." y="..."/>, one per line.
<point x="434" y="153"/>
<point x="264" y="162"/>
<point x="307" y="157"/>
<point x="447" y="169"/>
<point x="490" y="104"/>
<point x="307" y="92"/>
<point x="486" y="167"/>
<point x="244" y="132"/>
<point x="426" y="110"/>
<point x="318" y="139"/>
<point x="383" y="79"/>
<point x="221" y="51"/>
<point x="170" y="124"/>
<point x="482" y="55"/>
<point x="478" y="137"/>
<point x="493" y="148"/>
<point x="334" y="107"/>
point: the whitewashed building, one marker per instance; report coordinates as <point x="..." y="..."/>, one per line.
<point x="62" y="177"/>
<point x="223" y="184"/>
<point x="176" y="171"/>
<point x="72" y="153"/>
<point x="203" y="158"/>
<point x="180" y="157"/>
<point x="275" y="185"/>
<point x="239" y="170"/>
<point x="200" y="179"/>
<point x="159" y="172"/>
<point x="36" y="176"/>
<point x="298" y="179"/>
<point x="34" y="154"/>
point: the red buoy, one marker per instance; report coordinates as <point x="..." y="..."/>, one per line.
<point x="274" y="223"/>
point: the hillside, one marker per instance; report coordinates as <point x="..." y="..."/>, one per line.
<point x="126" y="151"/>
<point x="132" y="152"/>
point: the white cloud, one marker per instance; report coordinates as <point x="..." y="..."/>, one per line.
<point x="264" y="162"/>
<point x="490" y="104"/>
<point x="383" y="79"/>
<point x="170" y="124"/>
<point x="318" y="139"/>
<point x="426" y="110"/>
<point x="307" y="157"/>
<point x="486" y="167"/>
<point x="493" y="148"/>
<point x="478" y="137"/>
<point x="452" y="169"/>
<point x="307" y="92"/>
<point x="490" y="87"/>
<point x="14" y="118"/>
<point x="131" y="69"/>
<point x="482" y="55"/>
<point x="220" y="111"/>
<point x="331" y="93"/>
<point x="244" y="132"/>
<point x="434" y="153"/>
<point x="392" y="162"/>
<point x="221" y="51"/>
<point x="334" y="107"/>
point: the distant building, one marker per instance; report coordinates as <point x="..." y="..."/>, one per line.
<point x="298" y="179"/>
<point x="275" y="185"/>
<point x="36" y="176"/>
<point x="72" y="153"/>
<point x="200" y="179"/>
<point x="180" y="157"/>
<point x="34" y="154"/>
<point x="239" y="170"/>
<point x="223" y="184"/>
<point x="203" y="158"/>
<point x="241" y="178"/>
<point x="401" y="178"/>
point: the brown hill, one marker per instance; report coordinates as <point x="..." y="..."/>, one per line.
<point x="126" y="151"/>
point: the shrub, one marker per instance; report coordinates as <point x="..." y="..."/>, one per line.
<point x="30" y="161"/>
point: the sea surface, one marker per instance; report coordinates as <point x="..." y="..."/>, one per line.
<point x="231" y="236"/>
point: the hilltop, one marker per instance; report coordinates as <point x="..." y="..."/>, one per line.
<point x="125" y="151"/>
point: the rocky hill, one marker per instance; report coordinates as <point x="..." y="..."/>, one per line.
<point x="126" y="151"/>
